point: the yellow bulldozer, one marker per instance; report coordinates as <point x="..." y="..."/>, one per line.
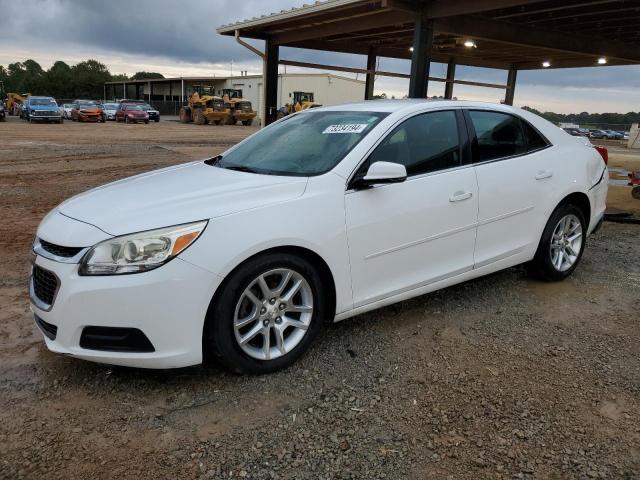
<point x="241" y="109"/>
<point x="204" y="107"/>
<point x="301" y="101"/>
<point x="14" y="102"/>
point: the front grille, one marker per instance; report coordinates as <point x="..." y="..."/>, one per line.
<point x="43" y="113"/>
<point x="49" y="331"/>
<point x="59" y="250"/>
<point x="45" y="285"/>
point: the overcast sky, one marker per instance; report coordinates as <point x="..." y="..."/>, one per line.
<point x="177" y="38"/>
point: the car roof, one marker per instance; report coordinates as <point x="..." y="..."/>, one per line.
<point x="395" y="106"/>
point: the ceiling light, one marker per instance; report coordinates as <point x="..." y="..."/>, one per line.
<point x="602" y="61"/>
<point x="411" y="49"/>
<point x="470" y="44"/>
<point x="546" y="64"/>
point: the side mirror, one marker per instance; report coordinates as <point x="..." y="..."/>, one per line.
<point x="381" y="173"/>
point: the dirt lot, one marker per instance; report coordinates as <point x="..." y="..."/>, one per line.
<point x="501" y="377"/>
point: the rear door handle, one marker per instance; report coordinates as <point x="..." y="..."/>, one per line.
<point x="542" y="174"/>
<point x="460" y="196"/>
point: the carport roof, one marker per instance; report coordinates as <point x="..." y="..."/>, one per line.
<point x="508" y="34"/>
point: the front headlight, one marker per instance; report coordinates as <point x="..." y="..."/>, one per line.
<point x="139" y="252"/>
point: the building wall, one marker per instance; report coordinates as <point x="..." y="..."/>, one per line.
<point x="328" y="89"/>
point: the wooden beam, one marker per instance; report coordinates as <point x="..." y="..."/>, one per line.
<point x="480" y="28"/>
<point x="448" y="8"/>
<point x="377" y="19"/>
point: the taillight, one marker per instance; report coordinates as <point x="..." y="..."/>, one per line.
<point x="604" y="153"/>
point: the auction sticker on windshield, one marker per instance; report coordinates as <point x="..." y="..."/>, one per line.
<point x="347" y="128"/>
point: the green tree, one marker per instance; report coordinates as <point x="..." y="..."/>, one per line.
<point x="146" y="75"/>
<point x="89" y="78"/>
<point x="59" y="81"/>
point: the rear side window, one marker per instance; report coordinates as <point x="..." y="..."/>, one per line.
<point x="535" y="141"/>
<point x="424" y="143"/>
<point x="498" y="135"/>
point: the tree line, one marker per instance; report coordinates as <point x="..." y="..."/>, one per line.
<point x="586" y="118"/>
<point x="83" y="80"/>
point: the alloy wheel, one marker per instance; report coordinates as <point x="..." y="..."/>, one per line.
<point x="566" y="243"/>
<point x="273" y="314"/>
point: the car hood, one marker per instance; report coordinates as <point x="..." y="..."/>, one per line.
<point x="175" y="195"/>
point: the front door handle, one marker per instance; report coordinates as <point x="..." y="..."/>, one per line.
<point x="460" y="196"/>
<point x="542" y="174"/>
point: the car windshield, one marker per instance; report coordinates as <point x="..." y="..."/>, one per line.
<point x="110" y="106"/>
<point x="43" y="102"/>
<point x="306" y="144"/>
<point x="134" y="107"/>
<point x="87" y="105"/>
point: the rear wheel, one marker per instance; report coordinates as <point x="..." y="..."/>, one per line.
<point x="216" y="122"/>
<point x="561" y="245"/>
<point x="247" y="123"/>
<point x="635" y="192"/>
<point x="231" y="120"/>
<point x="266" y="315"/>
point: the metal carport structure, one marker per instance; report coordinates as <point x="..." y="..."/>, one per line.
<point x="504" y="34"/>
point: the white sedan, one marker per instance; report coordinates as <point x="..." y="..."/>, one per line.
<point x="326" y="214"/>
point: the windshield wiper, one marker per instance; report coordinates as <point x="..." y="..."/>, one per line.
<point x="217" y="162"/>
<point x="241" y="168"/>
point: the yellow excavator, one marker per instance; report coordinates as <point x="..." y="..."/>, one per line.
<point x="204" y="107"/>
<point x="301" y="101"/>
<point x="241" y="109"/>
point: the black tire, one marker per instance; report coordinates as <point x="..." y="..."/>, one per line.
<point x="146" y="122"/>
<point x="198" y="117"/>
<point x="247" y="123"/>
<point x="541" y="267"/>
<point x="216" y="122"/>
<point x="219" y="341"/>
<point x="635" y="192"/>
<point x="185" y="115"/>
<point x="157" y="120"/>
<point x="230" y="120"/>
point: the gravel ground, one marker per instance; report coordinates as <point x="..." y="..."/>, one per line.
<point x="501" y="377"/>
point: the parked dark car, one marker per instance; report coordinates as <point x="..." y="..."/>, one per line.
<point x="615" y="135"/>
<point x="152" y="112"/>
<point x="598" y="134"/>
<point x="131" y="113"/>
<point x="576" y="132"/>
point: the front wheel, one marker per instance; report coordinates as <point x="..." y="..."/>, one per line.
<point x="266" y="314"/>
<point x="561" y="245"/>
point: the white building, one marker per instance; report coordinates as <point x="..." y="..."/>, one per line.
<point x="168" y="94"/>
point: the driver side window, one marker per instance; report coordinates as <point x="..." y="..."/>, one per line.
<point x="425" y="143"/>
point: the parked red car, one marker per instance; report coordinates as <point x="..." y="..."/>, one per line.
<point x="87" y="111"/>
<point x="131" y="113"/>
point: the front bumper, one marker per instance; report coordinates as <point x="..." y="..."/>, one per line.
<point x="243" y="116"/>
<point x="89" y="118"/>
<point x="167" y="304"/>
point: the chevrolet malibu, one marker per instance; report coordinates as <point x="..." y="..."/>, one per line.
<point x="329" y="213"/>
